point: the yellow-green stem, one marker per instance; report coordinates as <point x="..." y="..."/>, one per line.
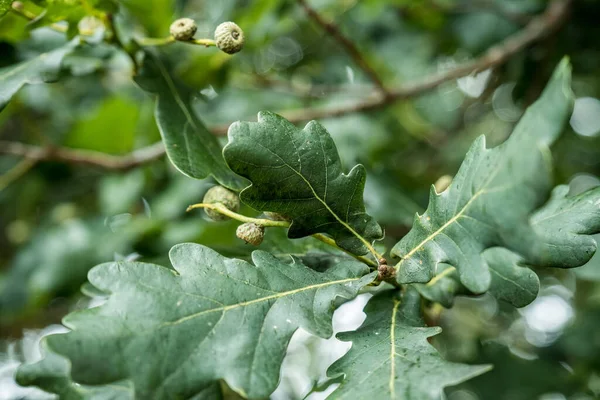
<point x="280" y="224"/>
<point x="225" y="211"/>
<point x="168" y="40"/>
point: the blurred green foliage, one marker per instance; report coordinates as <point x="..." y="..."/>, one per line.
<point x="59" y="219"/>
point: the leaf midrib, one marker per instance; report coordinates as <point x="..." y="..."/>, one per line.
<point x="460" y="214"/>
<point x="392" y="383"/>
<point x="342" y="222"/>
<point x="259" y="300"/>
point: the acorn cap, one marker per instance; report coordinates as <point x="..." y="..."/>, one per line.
<point x="229" y="37"/>
<point x="251" y="233"/>
<point x="183" y="29"/>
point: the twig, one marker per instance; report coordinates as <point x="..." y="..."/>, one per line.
<point x="346" y="43"/>
<point x="16" y="172"/>
<point x="538" y="28"/>
<point x="84" y="157"/>
<point x="170" y="39"/>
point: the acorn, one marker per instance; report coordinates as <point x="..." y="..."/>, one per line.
<point x="251" y="233"/>
<point x="183" y="29"/>
<point x="229" y="37"/>
<point x="218" y="194"/>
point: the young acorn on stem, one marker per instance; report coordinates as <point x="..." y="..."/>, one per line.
<point x="183" y="29"/>
<point x="218" y="194"/>
<point x="251" y="233"/>
<point x="229" y="37"/>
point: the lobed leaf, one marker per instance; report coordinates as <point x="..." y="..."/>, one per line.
<point x="511" y="280"/>
<point x="491" y="198"/>
<point x="173" y="334"/>
<point x="192" y="149"/>
<point x="563" y="228"/>
<point x="391" y="358"/>
<point x="56" y="371"/>
<point x="298" y="173"/>
<point x="565" y="225"/>
<point x="443" y="288"/>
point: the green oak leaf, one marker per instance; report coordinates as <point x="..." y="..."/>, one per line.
<point x="491" y="198"/>
<point x="173" y="333"/>
<point x="43" y="68"/>
<point x="190" y="146"/>
<point x="443" y="288"/>
<point x="512" y="281"/>
<point x="298" y="173"/>
<point x="565" y="225"/>
<point x="52" y="374"/>
<point x="391" y="358"/>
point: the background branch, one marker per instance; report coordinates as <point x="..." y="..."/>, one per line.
<point x="538" y="28"/>
<point x="84" y="157"/>
<point x="348" y="45"/>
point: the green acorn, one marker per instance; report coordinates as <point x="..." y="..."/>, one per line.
<point x="251" y="233"/>
<point x="183" y="29"/>
<point x="229" y="37"/>
<point x="218" y="194"/>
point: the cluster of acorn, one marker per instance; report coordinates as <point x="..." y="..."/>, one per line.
<point x="228" y="36"/>
<point x="249" y="232"/>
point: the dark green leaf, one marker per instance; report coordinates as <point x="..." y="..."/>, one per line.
<point x="298" y="173"/>
<point x="56" y="370"/>
<point x="192" y="149"/>
<point x="391" y="358"/>
<point x="565" y="224"/>
<point x="174" y="334"/>
<point x="490" y="199"/>
<point x="511" y="281"/>
<point x="41" y="69"/>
